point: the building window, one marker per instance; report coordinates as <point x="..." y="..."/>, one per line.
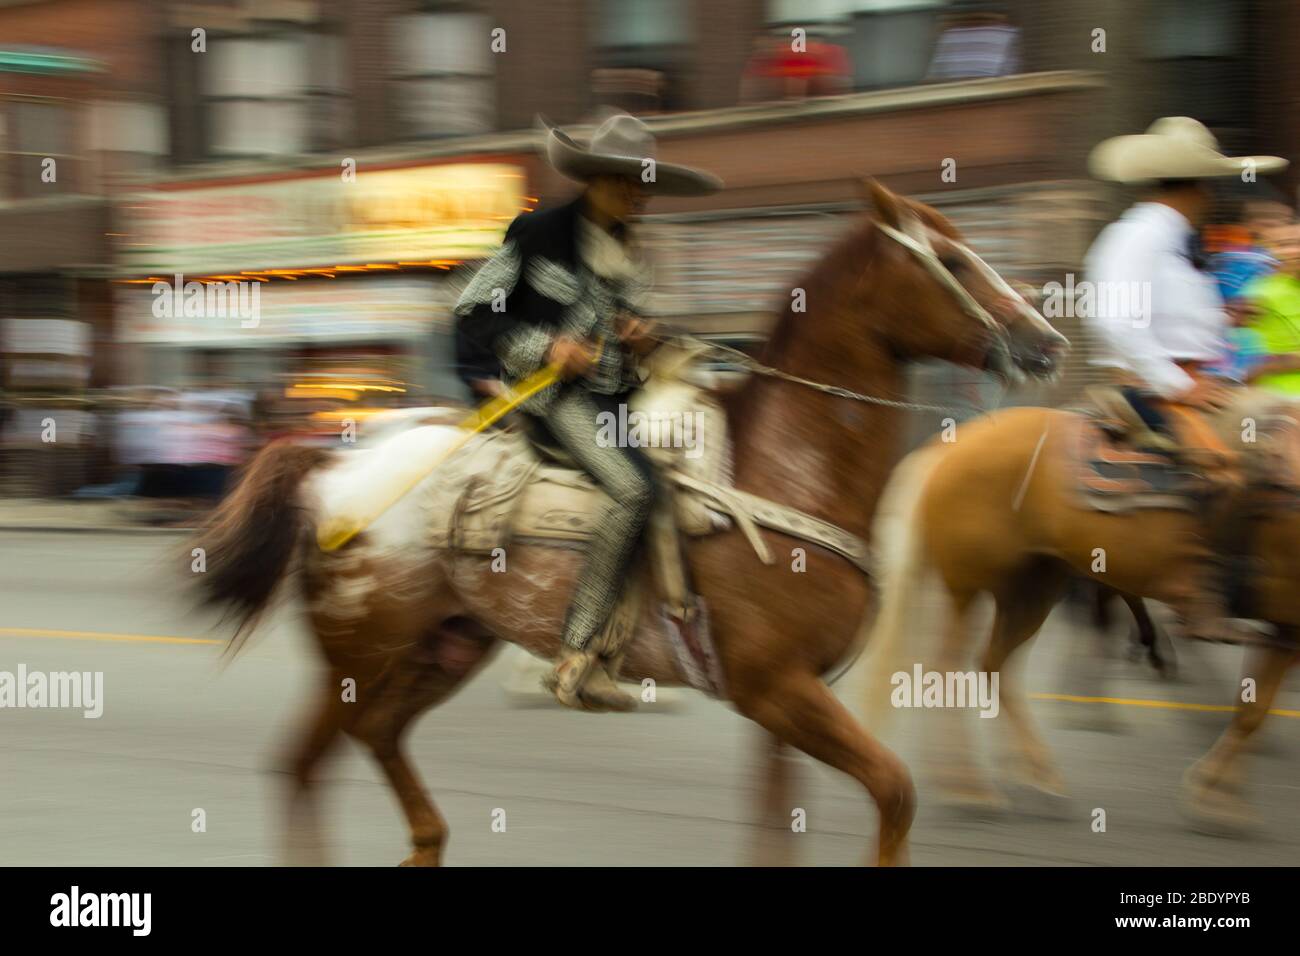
<point x="443" y="78"/>
<point x="641" y="48"/>
<point x="1195" y="28"/>
<point x="31" y="132"/>
<point x="1198" y="50"/>
<point x="892" y="41"/>
<point x="127" y="138"/>
<point x="274" y="94"/>
<point x="328" y="103"/>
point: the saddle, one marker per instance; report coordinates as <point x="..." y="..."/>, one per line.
<point x="1109" y="472"/>
<point x="504" y="486"/>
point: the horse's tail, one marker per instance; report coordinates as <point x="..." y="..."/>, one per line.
<point x="901" y="565"/>
<point x="249" y="541"/>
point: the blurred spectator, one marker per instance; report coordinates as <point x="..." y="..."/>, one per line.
<point x="1239" y="255"/>
<point x="978" y="40"/>
<point x="783" y="67"/>
<point x="1275" y="318"/>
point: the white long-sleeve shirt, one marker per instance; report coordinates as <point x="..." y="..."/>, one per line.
<point x="1151" y="307"/>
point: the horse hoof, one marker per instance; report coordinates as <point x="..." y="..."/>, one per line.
<point x="974" y="804"/>
<point x="1217" y="814"/>
<point x="1050" y="802"/>
<point x="1214" y="810"/>
<point x="424" y="856"/>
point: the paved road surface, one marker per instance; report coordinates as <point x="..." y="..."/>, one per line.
<point x="180" y="732"/>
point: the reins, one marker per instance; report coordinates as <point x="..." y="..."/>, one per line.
<point x="922" y="250"/>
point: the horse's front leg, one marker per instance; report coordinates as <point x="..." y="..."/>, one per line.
<point x="800" y="710"/>
<point x="778" y="775"/>
<point x="1211" y="797"/>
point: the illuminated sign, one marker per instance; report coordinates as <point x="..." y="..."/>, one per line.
<point x="379" y="309"/>
<point x="417" y="214"/>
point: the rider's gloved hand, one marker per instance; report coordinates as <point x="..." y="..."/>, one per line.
<point x="574" y="357"/>
<point x="636" y="333"/>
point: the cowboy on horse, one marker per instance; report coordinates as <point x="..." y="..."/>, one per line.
<point x="564" y="289"/>
<point x="1158" y="343"/>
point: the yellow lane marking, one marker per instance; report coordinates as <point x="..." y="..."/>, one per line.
<point x="1159" y="704"/>
<point x="1068" y="698"/>
<point x="103" y="636"/>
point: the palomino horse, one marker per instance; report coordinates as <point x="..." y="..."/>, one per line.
<point x="994" y="512"/>
<point x="409" y="623"/>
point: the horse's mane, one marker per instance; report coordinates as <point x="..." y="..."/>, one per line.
<point x="846" y="261"/>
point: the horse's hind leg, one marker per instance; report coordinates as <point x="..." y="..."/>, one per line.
<point x="1211" y="787"/>
<point x="1021" y="610"/>
<point x="801" y="711"/>
<point x="961" y="780"/>
<point x="774" y="840"/>
<point x="304" y="844"/>
<point x="425" y="676"/>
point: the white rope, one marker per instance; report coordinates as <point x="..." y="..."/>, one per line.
<point x="1029" y="472"/>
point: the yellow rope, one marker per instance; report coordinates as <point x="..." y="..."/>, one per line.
<point x="336" y="532"/>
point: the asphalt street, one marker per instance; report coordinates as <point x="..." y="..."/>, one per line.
<point x="182" y="731"/>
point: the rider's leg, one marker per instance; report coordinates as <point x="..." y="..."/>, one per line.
<point x="1155" y="433"/>
<point x="1207" y="613"/>
<point x="626" y="476"/>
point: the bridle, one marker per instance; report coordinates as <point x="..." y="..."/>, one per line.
<point x="916" y="242"/>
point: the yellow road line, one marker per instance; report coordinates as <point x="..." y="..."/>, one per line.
<point x="103" y="636"/>
<point x="1158" y="704"/>
<point x="1067" y="698"/>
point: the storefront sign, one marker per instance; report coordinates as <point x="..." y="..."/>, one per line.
<point x="320" y="310"/>
<point x="416" y="214"/>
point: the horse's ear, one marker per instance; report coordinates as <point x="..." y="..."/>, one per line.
<point x="885" y="206"/>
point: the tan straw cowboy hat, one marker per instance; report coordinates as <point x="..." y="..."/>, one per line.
<point x="624" y="146"/>
<point x="1173" y="147"/>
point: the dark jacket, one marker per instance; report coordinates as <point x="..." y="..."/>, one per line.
<point x="551" y="234"/>
<point x="534" y="287"/>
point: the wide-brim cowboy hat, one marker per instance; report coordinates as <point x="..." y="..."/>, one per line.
<point x="624" y="146"/>
<point x="1173" y="147"/>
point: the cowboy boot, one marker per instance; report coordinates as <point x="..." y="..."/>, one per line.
<point x="600" y="691"/>
<point x="566" y="679"/>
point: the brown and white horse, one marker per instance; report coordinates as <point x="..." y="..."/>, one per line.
<point x="409" y="624"/>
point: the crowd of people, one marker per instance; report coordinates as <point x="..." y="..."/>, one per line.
<point x="178" y="445"/>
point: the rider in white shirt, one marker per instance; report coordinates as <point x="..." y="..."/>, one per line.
<point x="1159" y="319"/>
<point x="1184" y="318"/>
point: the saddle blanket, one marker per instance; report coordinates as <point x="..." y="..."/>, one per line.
<point x="1108" y="475"/>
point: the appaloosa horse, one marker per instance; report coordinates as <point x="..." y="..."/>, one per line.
<point x="410" y="623"/>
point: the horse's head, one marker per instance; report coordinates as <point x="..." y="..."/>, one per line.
<point x="938" y="299"/>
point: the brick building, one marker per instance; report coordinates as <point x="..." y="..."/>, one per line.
<point x="280" y="92"/>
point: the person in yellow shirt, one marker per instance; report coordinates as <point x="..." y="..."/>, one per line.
<point x="1275" y="315"/>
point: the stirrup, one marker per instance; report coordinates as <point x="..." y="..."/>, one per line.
<point x="582" y="680"/>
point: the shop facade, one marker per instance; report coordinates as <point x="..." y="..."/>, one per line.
<point x="354" y="270"/>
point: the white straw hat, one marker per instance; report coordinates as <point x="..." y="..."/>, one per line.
<point x="1173" y="147"/>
